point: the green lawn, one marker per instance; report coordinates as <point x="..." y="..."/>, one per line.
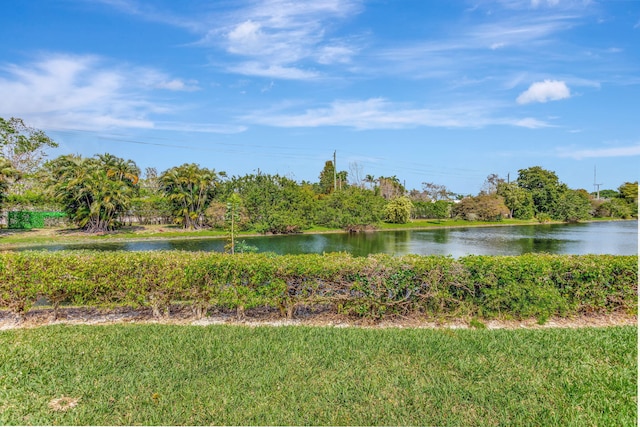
<point x="163" y="374"/>
<point x="434" y="223"/>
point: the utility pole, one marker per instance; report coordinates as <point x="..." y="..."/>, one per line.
<point x="335" y="174"/>
<point x="596" y="187"/>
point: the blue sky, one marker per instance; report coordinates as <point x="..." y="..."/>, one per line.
<point x="430" y="91"/>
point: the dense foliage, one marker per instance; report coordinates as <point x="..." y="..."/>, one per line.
<point x="189" y="189"/>
<point x="23" y="146"/>
<point x="516" y="286"/>
<point x="7" y="174"/>
<point x="398" y="210"/>
<point x="273" y="203"/>
<point x="94" y="192"/>
<point x="101" y="193"/>
<point x="484" y="207"/>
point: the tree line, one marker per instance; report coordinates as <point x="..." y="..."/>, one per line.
<point x="104" y="192"/>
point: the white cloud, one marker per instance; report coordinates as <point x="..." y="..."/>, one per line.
<point x="199" y="127"/>
<point x="178" y="85"/>
<point x="514" y="32"/>
<point x="374" y="113"/>
<point x="273" y="71"/>
<point x="579" y="154"/>
<point x="530" y="123"/>
<point x="246" y="38"/>
<point x="536" y="3"/>
<point x="150" y="13"/>
<point x="334" y="54"/>
<point x="280" y="35"/>
<point x="277" y="35"/>
<point x="548" y="90"/>
<point x="84" y="92"/>
<point x="379" y="113"/>
<point x="481" y="44"/>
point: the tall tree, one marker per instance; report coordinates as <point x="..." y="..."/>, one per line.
<point x="389" y="187"/>
<point x="23" y="146"/>
<point x="573" y="206"/>
<point x="517" y="199"/>
<point x="95" y="192"/>
<point x="436" y="191"/>
<point x="370" y="180"/>
<point x="330" y="179"/>
<point x="491" y="184"/>
<point x="629" y="193"/>
<point x="327" y="178"/>
<point x="25" y="149"/>
<point x="545" y="189"/>
<point x="355" y="172"/>
<point x="353" y="209"/>
<point x="274" y="204"/>
<point x="189" y="188"/>
<point x="151" y="206"/>
<point x="485" y="207"/>
<point x="7" y="174"/>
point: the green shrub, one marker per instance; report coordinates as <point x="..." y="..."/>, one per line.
<point x="378" y="286"/>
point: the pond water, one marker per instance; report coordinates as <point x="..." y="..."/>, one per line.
<point x="615" y="237"/>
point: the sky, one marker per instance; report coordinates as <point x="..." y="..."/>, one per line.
<point x="439" y="91"/>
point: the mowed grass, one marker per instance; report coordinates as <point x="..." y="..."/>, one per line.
<point x="168" y="374"/>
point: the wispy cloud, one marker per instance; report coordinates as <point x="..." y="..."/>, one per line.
<point x="150" y="13"/>
<point x="530" y="122"/>
<point x="85" y="92"/>
<point x="277" y="39"/>
<point x="512" y="32"/>
<point x="255" y="68"/>
<point x="283" y="39"/>
<point x="380" y="113"/>
<point x="548" y="90"/>
<point x="579" y="154"/>
<point x="514" y="42"/>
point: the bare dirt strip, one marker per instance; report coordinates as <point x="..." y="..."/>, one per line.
<point x="303" y="317"/>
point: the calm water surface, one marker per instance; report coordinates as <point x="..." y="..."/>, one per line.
<point x="617" y="238"/>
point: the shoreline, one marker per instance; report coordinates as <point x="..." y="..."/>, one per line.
<point x="79" y="239"/>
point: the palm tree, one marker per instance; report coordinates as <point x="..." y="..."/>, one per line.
<point x="94" y="191"/>
<point x="120" y="169"/>
<point x="370" y="179"/>
<point x="189" y="188"/>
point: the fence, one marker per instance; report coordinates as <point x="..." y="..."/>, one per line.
<point x="27" y="220"/>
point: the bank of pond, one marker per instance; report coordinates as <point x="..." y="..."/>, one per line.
<point x="527" y="286"/>
<point x="609" y="237"/>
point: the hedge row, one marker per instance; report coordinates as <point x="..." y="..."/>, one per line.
<point x="485" y="286"/>
<point x="28" y="220"/>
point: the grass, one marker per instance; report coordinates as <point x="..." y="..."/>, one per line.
<point x="434" y="223"/>
<point x="13" y="238"/>
<point x="72" y="235"/>
<point x="176" y="375"/>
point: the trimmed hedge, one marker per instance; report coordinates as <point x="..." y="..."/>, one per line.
<point x="377" y="286"/>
